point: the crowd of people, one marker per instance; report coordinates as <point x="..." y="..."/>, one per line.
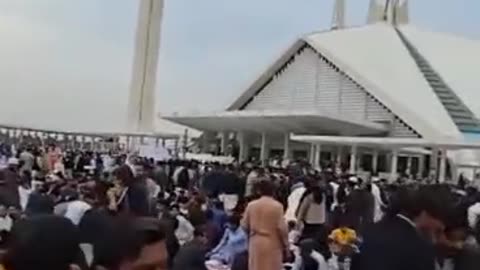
<point x="70" y="209"/>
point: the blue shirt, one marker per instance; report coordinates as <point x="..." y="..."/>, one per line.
<point x="233" y="243"/>
<point x="220" y="218"/>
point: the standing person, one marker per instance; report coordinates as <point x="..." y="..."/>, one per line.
<point x="378" y="202"/>
<point x="267" y="230"/>
<point x="255" y="176"/>
<point x="24" y="189"/>
<point x="212" y="181"/>
<point x="293" y="201"/>
<point x="181" y="177"/>
<point x="360" y="204"/>
<point x="229" y="193"/>
<point x="400" y="240"/>
<point x="160" y="176"/>
<point x="312" y="213"/>
<point x="28" y="160"/>
<point x="9" y="179"/>
<point x="52" y="157"/>
<point x="129" y="194"/>
<point x="474" y="213"/>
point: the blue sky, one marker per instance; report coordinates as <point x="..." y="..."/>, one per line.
<point x="66" y="63"/>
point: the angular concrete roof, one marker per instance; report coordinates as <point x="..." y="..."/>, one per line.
<point x="378" y="59"/>
<point x="375" y="57"/>
<point x="455" y="58"/>
<point x="303" y="122"/>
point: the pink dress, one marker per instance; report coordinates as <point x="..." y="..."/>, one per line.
<point x="268" y="236"/>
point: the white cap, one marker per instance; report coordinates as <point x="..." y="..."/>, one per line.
<point x="375" y="179"/>
<point x="12" y="161"/>
<point x="353" y="179"/>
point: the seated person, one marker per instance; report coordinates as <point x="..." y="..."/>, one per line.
<point x="306" y="257"/>
<point x="293" y="233"/>
<point x="234" y="242"/>
<point x="192" y="255"/>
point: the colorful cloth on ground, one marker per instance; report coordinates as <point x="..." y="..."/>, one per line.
<point x="343" y="236"/>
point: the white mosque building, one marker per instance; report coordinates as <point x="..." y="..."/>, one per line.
<point x="387" y="96"/>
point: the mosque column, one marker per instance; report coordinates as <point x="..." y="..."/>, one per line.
<point x="263" y="149"/>
<point x="394" y="166"/>
<point x="443" y="166"/>
<point x="286" y="146"/>
<point x="42" y="140"/>
<point x="83" y="140"/>
<point x="127" y="144"/>
<point x="409" y="166"/>
<point x="353" y="159"/>
<point x="176" y="150"/>
<point x="224" y="142"/>
<point x="65" y="140"/>
<point x="103" y="145"/>
<point x="93" y="143"/>
<point x="375" y="161"/>
<point x="421" y="166"/>
<point x="243" y="146"/>
<point x="205" y="142"/>
<point x="318" y="154"/>
<point x="14" y="136"/>
<point x="7" y="135"/>
<point x="99" y="144"/>
<point x="338" y="162"/>
<point x="359" y="162"/>
<point x="20" y="136"/>
<point x="94" y="146"/>
<point x="73" y="141"/>
<point x="434" y="163"/>
<point x="163" y="143"/>
<point x="311" y="159"/>
<point x="157" y="141"/>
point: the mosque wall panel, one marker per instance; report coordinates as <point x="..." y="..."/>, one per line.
<point x="312" y="82"/>
<point x="328" y="85"/>
<point x="399" y="129"/>
<point x="292" y="88"/>
<point x="304" y="89"/>
<point x="376" y="112"/>
<point x="275" y="94"/>
<point x="353" y="99"/>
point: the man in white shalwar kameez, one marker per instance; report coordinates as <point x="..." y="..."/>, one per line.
<point x="378" y="203"/>
<point x="293" y="201"/>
